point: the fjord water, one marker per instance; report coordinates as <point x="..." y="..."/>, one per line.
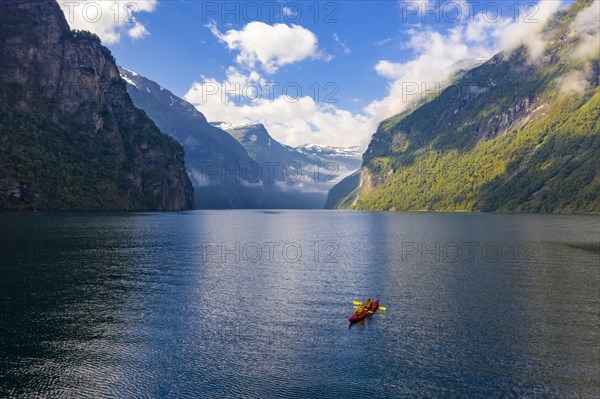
<point x="255" y="304"/>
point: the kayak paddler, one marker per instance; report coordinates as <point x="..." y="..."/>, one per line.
<point x="368" y="304"/>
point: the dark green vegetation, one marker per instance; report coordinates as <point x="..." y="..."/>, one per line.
<point x="70" y="137"/>
<point x="505" y="137"/>
<point x="66" y="165"/>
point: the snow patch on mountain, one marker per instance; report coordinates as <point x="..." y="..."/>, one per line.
<point x="318" y="149"/>
<point x="234" y="126"/>
<point x="129" y="81"/>
<point x="130" y="71"/>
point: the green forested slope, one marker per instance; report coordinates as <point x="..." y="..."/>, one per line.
<point x="550" y="165"/>
<point x="506" y="136"/>
<point x="70" y="136"/>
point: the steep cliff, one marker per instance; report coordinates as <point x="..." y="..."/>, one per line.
<point x="70" y="136"/>
<point x="514" y="134"/>
<point x="212" y="155"/>
<point x="209" y="151"/>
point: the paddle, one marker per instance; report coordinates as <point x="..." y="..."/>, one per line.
<point x="360" y="303"/>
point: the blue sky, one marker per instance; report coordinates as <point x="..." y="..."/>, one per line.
<point x="357" y="54"/>
<point x="181" y="48"/>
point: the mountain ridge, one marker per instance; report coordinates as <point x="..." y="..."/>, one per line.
<point x="209" y="151"/>
<point x="213" y="150"/>
<point x="508" y="136"/>
<point x="302" y="176"/>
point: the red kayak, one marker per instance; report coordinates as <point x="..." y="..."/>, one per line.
<point x="368" y="312"/>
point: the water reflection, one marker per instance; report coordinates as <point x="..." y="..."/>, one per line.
<point x="184" y="305"/>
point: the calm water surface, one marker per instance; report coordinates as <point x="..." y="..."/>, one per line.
<point x="255" y="304"/>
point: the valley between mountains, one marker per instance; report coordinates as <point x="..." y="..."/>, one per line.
<point x="511" y="133"/>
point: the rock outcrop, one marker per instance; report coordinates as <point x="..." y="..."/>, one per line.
<point x="70" y="136"/>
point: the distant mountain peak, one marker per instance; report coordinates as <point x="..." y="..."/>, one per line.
<point x="330" y="151"/>
<point x="142" y="85"/>
<point x="245" y="133"/>
<point x="208" y="149"/>
<point x="237" y="126"/>
<point x="128" y="70"/>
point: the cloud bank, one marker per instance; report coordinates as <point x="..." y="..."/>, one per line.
<point x="437" y="56"/>
<point x="587" y="28"/>
<point x="293" y="120"/>
<point x="528" y="30"/>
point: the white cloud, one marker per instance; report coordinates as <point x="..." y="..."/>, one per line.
<point x="481" y="29"/>
<point x="288" y="12"/>
<point x="293" y="121"/>
<point x="389" y="70"/>
<point x="344" y="47"/>
<point x="269" y="46"/>
<point x="247" y="97"/>
<point x="436" y="60"/>
<point x="235" y="89"/>
<point x="138" y="31"/>
<point x="108" y="19"/>
<point x="438" y="55"/>
<point x="587" y="28"/>
<point x="575" y="82"/>
<point x="528" y="30"/>
<point x="382" y="42"/>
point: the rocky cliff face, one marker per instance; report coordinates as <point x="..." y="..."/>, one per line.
<point x="209" y="151"/>
<point x="71" y="136"/>
<point x="510" y="135"/>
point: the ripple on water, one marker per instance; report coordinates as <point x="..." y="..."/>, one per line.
<point x="105" y="306"/>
